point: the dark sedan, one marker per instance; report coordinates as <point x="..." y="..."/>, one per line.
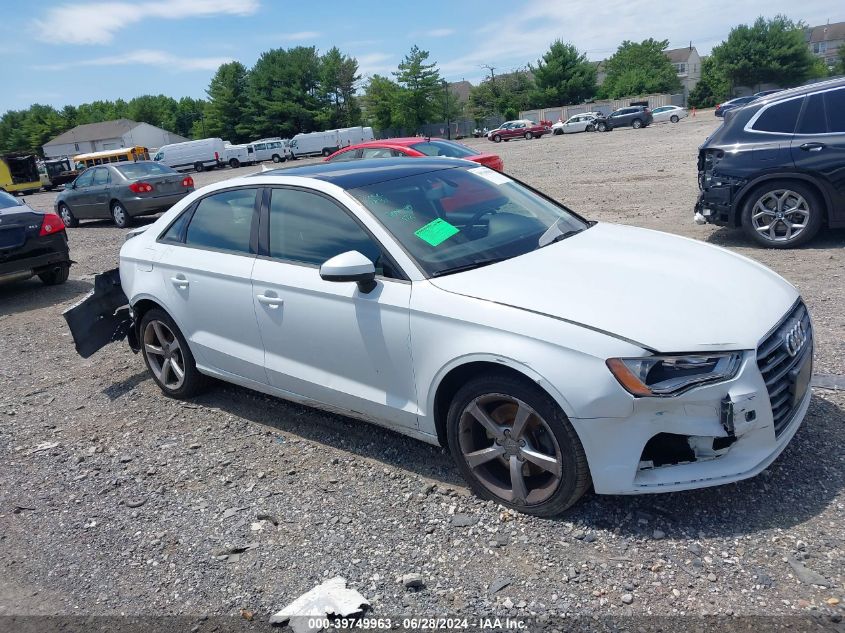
<point x="122" y="191"/>
<point x="733" y="103"/>
<point x="31" y="243"/>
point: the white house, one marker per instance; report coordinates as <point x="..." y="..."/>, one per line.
<point x="687" y="64"/>
<point x="96" y="137"/>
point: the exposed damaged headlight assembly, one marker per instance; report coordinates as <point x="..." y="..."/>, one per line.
<point x="663" y="376"/>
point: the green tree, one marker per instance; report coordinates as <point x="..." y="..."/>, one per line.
<point x="504" y="95"/>
<point x="420" y="83"/>
<point x="768" y="51"/>
<point x="562" y="76"/>
<point x="839" y="69"/>
<point x="338" y="80"/>
<point x="381" y="102"/>
<point x="282" y="92"/>
<point x="712" y="88"/>
<point x="638" y="68"/>
<point x="227" y="100"/>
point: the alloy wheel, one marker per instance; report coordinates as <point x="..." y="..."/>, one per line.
<point x="65" y="215"/>
<point x="510" y="449"/>
<point x="164" y="354"/>
<point x="780" y="215"/>
<point x="119" y="215"/>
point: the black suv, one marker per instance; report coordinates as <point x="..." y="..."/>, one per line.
<point x="776" y="167"/>
<point x="633" y="116"/>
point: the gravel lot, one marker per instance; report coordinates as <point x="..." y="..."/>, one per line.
<point x="116" y="500"/>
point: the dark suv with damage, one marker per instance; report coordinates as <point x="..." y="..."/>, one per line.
<point x="776" y="167"/>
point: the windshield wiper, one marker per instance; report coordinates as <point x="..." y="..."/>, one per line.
<point x="478" y="263"/>
<point x="560" y="237"/>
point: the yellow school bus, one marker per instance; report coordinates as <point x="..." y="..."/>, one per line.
<point x="121" y="155"/>
<point x="19" y="174"/>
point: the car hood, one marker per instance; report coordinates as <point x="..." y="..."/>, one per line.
<point x="663" y="292"/>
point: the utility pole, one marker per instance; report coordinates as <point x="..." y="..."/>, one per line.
<point x="446" y="109"/>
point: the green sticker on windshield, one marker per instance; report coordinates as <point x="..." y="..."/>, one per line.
<point x="436" y="232"/>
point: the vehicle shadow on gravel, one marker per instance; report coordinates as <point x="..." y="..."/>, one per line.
<point x="360" y="438"/>
<point x="107" y="223"/>
<point x="734" y="237"/>
<point x="25" y="296"/>
<point x="802" y="482"/>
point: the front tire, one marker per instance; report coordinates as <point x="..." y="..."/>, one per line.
<point x="782" y="214"/>
<point x="590" y="128"/>
<point x="67" y="216"/>
<point x="168" y="357"/>
<point x="558" y="132"/>
<point x="601" y="126"/>
<point x="515" y="446"/>
<point x="528" y="136"/>
<point x="497" y="138"/>
<point x="276" y="158"/>
<point x="55" y="276"/>
<point x="119" y="215"/>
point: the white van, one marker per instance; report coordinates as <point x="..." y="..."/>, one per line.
<point x="315" y="143"/>
<point x="205" y="153"/>
<point x="274" y="149"/>
<point x="237" y="155"/>
<point x="353" y="135"/>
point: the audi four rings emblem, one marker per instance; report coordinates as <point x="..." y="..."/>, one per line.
<point x="794" y="339"/>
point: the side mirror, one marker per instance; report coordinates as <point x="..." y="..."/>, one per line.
<point x="350" y="266"/>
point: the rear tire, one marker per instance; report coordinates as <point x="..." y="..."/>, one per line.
<point x="545" y="432"/>
<point x="674" y="118"/>
<point x="771" y="198"/>
<point x="173" y="349"/>
<point x="234" y="163"/>
<point x="198" y="167"/>
<point x="56" y="276"/>
<point x="119" y="215"/>
<point x="67" y="216"/>
<point x="636" y="124"/>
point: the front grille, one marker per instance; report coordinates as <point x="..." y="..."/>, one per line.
<point x="777" y="365"/>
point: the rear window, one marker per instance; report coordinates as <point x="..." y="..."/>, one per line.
<point x="442" y="148"/>
<point x="142" y="170"/>
<point x="835" y="105"/>
<point x="780" y="117"/>
<point x="8" y="200"/>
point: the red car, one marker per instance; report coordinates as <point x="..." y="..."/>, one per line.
<point x="522" y="128"/>
<point x="415" y="147"/>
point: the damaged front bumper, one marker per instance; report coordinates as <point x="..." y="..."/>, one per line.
<point x="716" y="200"/>
<point x="713" y="435"/>
<point x="103" y="317"/>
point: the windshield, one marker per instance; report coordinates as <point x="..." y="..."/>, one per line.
<point x="444" y="148"/>
<point x="142" y="170"/>
<point x="454" y="219"/>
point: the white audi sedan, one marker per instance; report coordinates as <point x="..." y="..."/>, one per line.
<point x="459" y="306"/>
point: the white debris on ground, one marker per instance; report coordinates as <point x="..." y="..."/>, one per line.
<point x="331" y="598"/>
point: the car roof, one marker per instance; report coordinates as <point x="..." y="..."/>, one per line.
<point x="360" y="173"/>
<point x="399" y="142"/>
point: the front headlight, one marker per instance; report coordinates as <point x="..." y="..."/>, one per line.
<point x="671" y="375"/>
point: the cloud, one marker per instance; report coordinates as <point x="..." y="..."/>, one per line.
<point x="175" y="63"/>
<point x="374" y="63"/>
<point x="299" y="36"/>
<point x="98" y="23"/>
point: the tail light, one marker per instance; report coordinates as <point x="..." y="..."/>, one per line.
<point x="216" y="156"/>
<point x="187" y="181"/>
<point x="140" y="187"/>
<point x="51" y="224"/>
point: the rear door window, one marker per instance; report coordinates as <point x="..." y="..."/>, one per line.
<point x="835" y="106"/>
<point x="780" y="118"/>
<point x="813" y="120"/>
<point x="101" y="176"/>
<point x="223" y="221"/>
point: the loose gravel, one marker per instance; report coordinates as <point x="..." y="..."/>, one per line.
<point x="117" y="500"/>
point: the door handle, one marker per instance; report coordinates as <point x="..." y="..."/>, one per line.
<point x="813" y="147"/>
<point x="271" y="302"/>
<point x="179" y="282"/>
